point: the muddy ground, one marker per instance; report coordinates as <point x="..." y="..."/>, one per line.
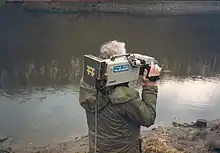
<point x="180" y="138"/>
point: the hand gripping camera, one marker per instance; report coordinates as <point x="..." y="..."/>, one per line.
<point x="116" y="70"/>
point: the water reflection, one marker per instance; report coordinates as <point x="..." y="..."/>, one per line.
<point x="55" y="72"/>
<point x="54" y="114"/>
<point x="41" y="64"/>
<point x="41" y="74"/>
<point x="188" y="99"/>
<point x="198" y="92"/>
<point x="49" y="116"/>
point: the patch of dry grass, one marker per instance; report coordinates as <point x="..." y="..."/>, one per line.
<point x="158" y="145"/>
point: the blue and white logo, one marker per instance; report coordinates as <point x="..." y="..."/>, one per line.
<point x="121" y="68"/>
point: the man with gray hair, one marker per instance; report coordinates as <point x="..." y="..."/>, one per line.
<point x="112" y="48"/>
<point x="122" y="112"/>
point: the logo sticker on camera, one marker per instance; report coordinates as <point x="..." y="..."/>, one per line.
<point x="90" y="71"/>
<point x="121" y="68"/>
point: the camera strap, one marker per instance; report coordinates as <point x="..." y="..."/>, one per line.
<point x="104" y="95"/>
<point x="96" y="120"/>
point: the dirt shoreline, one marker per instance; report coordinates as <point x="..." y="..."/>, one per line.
<point x="180" y="138"/>
<point x="129" y="8"/>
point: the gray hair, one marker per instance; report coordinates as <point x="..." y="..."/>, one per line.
<point x="112" y="48"/>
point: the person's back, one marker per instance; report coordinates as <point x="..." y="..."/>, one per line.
<point x="120" y="115"/>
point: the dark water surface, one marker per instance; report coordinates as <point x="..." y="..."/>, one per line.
<point x="40" y="67"/>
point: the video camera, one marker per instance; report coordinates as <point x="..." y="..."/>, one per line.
<point x="116" y="70"/>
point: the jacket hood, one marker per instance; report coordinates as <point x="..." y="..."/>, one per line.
<point x="121" y="94"/>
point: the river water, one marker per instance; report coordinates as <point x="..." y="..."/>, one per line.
<point x="40" y="67"/>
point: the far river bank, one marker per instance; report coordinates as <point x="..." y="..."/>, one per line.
<point x="129" y="8"/>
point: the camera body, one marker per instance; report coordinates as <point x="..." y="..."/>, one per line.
<point x="116" y="70"/>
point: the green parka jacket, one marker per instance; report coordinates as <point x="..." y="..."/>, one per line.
<point x="120" y="115"/>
